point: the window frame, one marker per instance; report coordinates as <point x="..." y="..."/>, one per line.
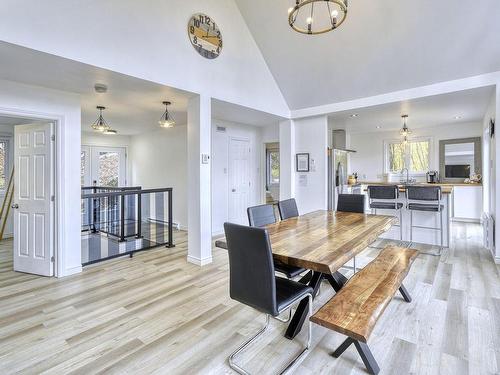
<point x="268" y="167"/>
<point x="388" y="142"/>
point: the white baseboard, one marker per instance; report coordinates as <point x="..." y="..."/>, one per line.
<point x="71" y="271"/>
<point x="199" y="262"/>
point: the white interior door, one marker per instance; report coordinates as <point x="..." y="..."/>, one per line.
<point x="239" y="180"/>
<point x="32" y="204"/>
<point x="108" y="166"/>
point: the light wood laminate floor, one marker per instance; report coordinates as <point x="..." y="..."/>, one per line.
<point x="157" y="314"/>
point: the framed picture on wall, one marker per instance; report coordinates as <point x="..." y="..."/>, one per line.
<point x="302" y="162"/>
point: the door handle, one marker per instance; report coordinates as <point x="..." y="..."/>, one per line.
<point x="15" y="206"/>
<point x="233" y="190"/>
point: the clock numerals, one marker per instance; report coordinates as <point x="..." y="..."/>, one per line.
<point x="205" y="36"/>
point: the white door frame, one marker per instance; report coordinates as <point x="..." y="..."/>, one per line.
<point x="58" y="210"/>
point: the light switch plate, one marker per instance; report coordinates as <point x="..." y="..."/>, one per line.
<point x="205" y="158"/>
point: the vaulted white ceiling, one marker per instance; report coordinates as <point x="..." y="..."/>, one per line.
<point x="383" y="46"/>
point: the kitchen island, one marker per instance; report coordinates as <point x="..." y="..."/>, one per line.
<point x="422" y="221"/>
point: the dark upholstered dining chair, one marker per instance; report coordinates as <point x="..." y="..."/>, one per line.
<point x="252" y="281"/>
<point x="351" y="203"/>
<point x="288" y="209"/>
<point x="259" y="216"/>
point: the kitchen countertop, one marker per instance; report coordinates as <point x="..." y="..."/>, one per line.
<point x="420" y="183"/>
<point x="445" y="188"/>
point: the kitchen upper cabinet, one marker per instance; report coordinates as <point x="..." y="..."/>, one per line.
<point x="467" y="202"/>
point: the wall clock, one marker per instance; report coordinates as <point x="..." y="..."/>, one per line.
<point x="205" y="36"/>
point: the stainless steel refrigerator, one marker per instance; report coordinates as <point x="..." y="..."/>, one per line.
<point x="337" y="175"/>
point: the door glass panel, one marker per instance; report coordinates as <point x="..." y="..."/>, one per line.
<point x="109" y="169"/>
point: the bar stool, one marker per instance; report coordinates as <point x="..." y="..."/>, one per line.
<point x="385" y="198"/>
<point x="425" y="199"/>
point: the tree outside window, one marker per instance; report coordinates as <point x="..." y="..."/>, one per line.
<point x="273" y="167"/>
<point x="415" y="156"/>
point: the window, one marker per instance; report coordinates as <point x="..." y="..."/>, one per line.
<point x="273" y="167"/>
<point x="109" y="169"/>
<point x="415" y="156"/>
<point x="4" y="163"/>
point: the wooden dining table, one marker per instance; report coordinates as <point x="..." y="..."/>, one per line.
<point x="322" y="242"/>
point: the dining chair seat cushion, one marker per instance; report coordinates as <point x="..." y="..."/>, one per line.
<point x="425" y="207"/>
<point x="387" y="205"/>
<point x="289" y="271"/>
<point x="289" y="291"/>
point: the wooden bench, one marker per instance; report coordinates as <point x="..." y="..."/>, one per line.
<point x="355" y="309"/>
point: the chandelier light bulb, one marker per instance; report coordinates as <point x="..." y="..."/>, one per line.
<point x="335" y="13"/>
<point x="309" y="20"/>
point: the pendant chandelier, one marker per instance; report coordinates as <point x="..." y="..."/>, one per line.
<point x="166" y="120"/>
<point x="317" y="16"/>
<point x="100" y="125"/>
<point x="405" y="131"/>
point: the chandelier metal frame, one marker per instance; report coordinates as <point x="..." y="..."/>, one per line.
<point x="166" y="121"/>
<point x="335" y="21"/>
<point x="100" y="125"/>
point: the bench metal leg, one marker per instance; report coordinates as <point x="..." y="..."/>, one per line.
<point x="364" y="352"/>
<point x="404" y="292"/>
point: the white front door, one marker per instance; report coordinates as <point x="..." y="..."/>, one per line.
<point x="239" y="180"/>
<point x="32" y="204"/>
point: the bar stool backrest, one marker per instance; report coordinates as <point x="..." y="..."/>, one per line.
<point x="251" y="269"/>
<point x="423" y="193"/>
<point x="383" y="192"/>
<point x="351" y="203"/>
<point x="259" y="216"/>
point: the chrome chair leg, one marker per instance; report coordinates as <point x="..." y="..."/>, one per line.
<point x="286" y="320"/>
<point x="290" y="365"/>
<point x="243" y="346"/>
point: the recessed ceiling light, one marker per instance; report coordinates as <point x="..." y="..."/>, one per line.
<point x="458" y="117"/>
<point x="378" y="127"/>
<point x="354" y="115"/>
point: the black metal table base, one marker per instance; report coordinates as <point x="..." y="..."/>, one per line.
<point x="313" y="279"/>
<point x="364" y="352"/>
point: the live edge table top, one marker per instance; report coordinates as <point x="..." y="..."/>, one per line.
<point x="324" y="241"/>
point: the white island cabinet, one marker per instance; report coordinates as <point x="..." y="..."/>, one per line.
<point x="467" y="202"/>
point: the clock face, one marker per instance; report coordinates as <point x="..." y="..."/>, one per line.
<point x="205" y="36"/>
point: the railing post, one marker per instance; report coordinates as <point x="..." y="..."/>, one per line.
<point x="122" y="217"/>
<point x="170" y="231"/>
<point x="139" y="215"/>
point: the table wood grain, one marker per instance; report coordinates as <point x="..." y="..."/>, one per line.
<point x="357" y="307"/>
<point x="324" y="241"/>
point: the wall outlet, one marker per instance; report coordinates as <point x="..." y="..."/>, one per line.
<point x="205" y="158"/>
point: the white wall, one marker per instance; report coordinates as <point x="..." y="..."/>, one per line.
<point x="311" y="137"/>
<point x="368" y="161"/>
<point x="158" y="159"/>
<point x="149" y="40"/>
<point x="220" y="168"/>
<point x="64" y="107"/>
